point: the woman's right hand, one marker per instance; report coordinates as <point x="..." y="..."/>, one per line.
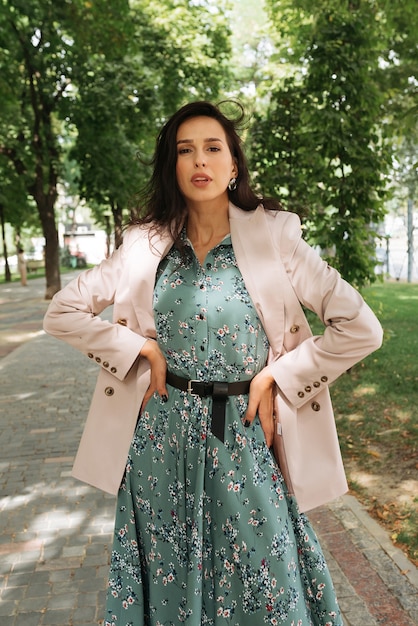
<point x="151" y="351"/>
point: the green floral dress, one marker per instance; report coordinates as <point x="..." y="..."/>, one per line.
<point x="205" y="531"/>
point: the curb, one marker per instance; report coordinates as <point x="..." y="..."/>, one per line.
<point x="375" y="582"/>
<point x="406" y="567"/>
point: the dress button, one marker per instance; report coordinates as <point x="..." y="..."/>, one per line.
<point x="301" y="394"/>
<point x="98" y="359"/>
<point x="90" y="355"/>
<point x="308" y="388"/>
<point x="113" y="370"/>
<point x="316" y="384"/>
<point x="105" y="364"/>
<point x="109" y="391"/>
<point x="315" y="406"/>
<point x="294" y="329"/>
<point x="324" y="379"/>
<point x="123" y="322"/>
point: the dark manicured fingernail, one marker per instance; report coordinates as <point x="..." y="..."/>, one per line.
<point x="164" y="398"/>
<point x="247" y="423"/>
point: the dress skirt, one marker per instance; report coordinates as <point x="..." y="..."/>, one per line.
<point x="205" y="531"/>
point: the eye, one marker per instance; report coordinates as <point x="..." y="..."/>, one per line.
<point x="184" y="150"/>
<point x="214" y="149"/>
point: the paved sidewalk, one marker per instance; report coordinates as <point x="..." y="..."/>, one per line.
<point x="55" y="533"/>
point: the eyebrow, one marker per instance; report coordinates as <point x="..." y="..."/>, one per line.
<point x="209" y="140"/>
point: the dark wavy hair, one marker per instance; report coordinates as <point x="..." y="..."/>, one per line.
<point x="161" y="203"/>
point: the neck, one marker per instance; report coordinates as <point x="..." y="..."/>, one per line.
<point x="207" y="222"/>
<point x="206" y="228"/>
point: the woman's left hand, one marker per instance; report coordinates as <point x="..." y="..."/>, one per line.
<point x="261" y="401"/>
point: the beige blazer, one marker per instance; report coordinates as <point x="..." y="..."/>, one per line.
<point x="280" y="271"/>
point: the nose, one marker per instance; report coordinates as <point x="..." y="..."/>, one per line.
<point x="200" y="160"/>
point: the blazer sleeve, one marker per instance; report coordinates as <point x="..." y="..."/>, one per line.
<point x="351" y="329"/>
<point x="74" y="316"/>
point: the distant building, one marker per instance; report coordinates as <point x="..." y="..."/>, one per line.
<point x="81" y="240"/>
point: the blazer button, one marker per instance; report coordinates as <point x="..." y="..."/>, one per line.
<point x="294" y="329"/>
<point x="316" y="384"/>
<point x="105" y="364"/>
<point x="316" y="406"/>
<point x="109" y="391"/>
<point x="324" y="379"/>
<point x="98" y="359"/>
<point x="123" y="322"/>
<point x="90" y="355"/>
<point x="301" y="394"/>
<point x="113" y="370"/>
<point x="308" y="388"/>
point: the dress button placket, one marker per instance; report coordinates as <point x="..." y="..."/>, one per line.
<point x="201" y="321"/>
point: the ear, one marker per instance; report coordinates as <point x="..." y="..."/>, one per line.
<point x="234" y="169"/>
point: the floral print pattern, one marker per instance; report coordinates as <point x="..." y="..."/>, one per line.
<point x="205" y="531"/>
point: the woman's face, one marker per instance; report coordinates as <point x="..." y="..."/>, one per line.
<point x="204" y="161"/>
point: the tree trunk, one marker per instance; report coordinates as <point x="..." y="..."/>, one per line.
<point x="7" y="273"/>
<point x="410" y="237"/>
<point x="45" y="206"/>
<point x="118" y="222"/>
<point x="52" y="271"/>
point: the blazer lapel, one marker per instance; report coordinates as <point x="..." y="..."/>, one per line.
<point x="143" y="268"/>
<point x="262" y="270"/>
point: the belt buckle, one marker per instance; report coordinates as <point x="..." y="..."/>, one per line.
<point x="189" y="387"/>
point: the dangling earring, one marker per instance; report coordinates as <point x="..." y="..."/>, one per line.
<point x="232" y="185"/>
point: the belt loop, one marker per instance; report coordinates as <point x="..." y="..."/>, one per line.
<point x="219" y="397"/>
<point x="220" y="390"/>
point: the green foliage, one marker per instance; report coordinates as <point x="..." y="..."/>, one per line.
<point x="86" y="85"/>
<point x="103" y="75"/>
<point x="251" y="48"/>
<point x="39" y="71"/>
<point x="13" y="197"/>
<point x="281" y="148"/>
<point x="324" y="129"/>
<point x="174" y="52"/>
<point x="186" y="46"/>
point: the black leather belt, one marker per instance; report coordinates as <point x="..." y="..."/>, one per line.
<point x="219" y="392"/>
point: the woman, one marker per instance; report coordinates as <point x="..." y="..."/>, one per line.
<point x="210" y="347"/>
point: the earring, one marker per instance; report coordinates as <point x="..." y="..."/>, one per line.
<point x="232" y="185"/>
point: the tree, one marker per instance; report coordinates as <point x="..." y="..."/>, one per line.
<point x="69" y="64"/>
<point x="122" y="101"/>
<point x="107" y="120"/>
<point x="252" y="47"/>
<point x="282" y="148"/>
<point x="402" y="111"/>
<point x="327" y="144"/>
<point x="37" y="68"/>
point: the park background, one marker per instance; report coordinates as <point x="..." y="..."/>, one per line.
<point x="330" y="91"/>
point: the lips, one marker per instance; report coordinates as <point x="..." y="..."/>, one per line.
<point x="201" y="179"/>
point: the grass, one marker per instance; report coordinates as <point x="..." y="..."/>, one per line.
<point x="376" y="408"/>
